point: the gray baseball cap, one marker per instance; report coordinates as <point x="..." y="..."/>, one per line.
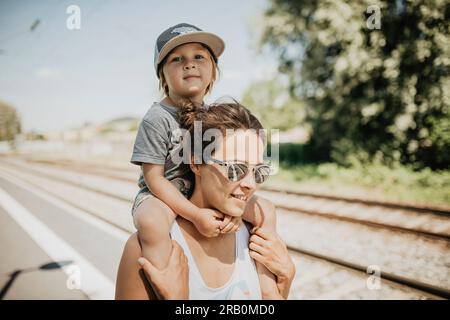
<point x="185" y="33"/>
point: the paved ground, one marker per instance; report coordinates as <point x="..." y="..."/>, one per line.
<point x="51" y="214"/>
<point x="40" y="232"/>
<point x="19" y="252"/>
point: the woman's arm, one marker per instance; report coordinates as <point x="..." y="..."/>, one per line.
<point x="268" y="283"/>
<point x="268" y="249"/>
<point x="133" y="281"/>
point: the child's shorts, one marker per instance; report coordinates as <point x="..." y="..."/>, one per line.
<point x="183" y="185"/>
<point x="143" y="194"/>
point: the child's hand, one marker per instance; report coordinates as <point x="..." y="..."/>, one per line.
<point x="207" y="222"/>
<point x="230" y="224"/>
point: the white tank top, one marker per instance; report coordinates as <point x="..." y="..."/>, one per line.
<point x="243" y="283"/>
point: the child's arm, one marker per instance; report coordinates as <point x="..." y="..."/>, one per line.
<point x="205" y="220"/>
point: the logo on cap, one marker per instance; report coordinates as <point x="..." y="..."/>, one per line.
<point x="183" y="30"/>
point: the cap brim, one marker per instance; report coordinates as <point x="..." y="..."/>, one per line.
<point x="215" y="43"/>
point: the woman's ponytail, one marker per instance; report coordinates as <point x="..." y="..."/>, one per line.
<point x="188" y="113"/>
<point x="219" y="116"/>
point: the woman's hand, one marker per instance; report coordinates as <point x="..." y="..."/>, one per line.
<point x="268" y="249"/>
<point x="171" y="283"/>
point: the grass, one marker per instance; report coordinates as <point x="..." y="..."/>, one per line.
<point x="373" y="181"/>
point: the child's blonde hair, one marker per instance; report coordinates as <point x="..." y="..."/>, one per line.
<point x="162" y="80"/>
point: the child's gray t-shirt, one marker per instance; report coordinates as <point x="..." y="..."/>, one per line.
<point x="159" y="141"/>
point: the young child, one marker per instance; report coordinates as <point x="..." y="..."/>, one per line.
<point x="186" y="65"/>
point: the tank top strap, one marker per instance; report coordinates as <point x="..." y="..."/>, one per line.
<point x="176" y="234"/>
<point x="242" y="238"/>
<point x="243" y="282"/>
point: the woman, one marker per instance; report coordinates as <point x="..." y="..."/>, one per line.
<point x="220" y="267"/>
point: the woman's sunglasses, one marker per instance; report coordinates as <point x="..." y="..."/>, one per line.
<point x="238" y="170"/>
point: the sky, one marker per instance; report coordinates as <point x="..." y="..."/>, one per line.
<point x="58" y="78"/>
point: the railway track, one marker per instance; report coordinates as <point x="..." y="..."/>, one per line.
<point x="392" y="216"/>
<point x="393" y="279"/>
<point x="429" y="290"/>
<point x="129" y="174"/>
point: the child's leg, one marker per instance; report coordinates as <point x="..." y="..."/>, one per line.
<point x="260" y="212"/>
<point x="153" y="219"/>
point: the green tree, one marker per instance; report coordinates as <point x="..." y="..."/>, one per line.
<point x="368" y="91"/>
<point x="9" y="122"/>
<point x="270" y="102"/>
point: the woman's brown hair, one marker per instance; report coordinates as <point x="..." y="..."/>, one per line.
<point x="221" y="115"/>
